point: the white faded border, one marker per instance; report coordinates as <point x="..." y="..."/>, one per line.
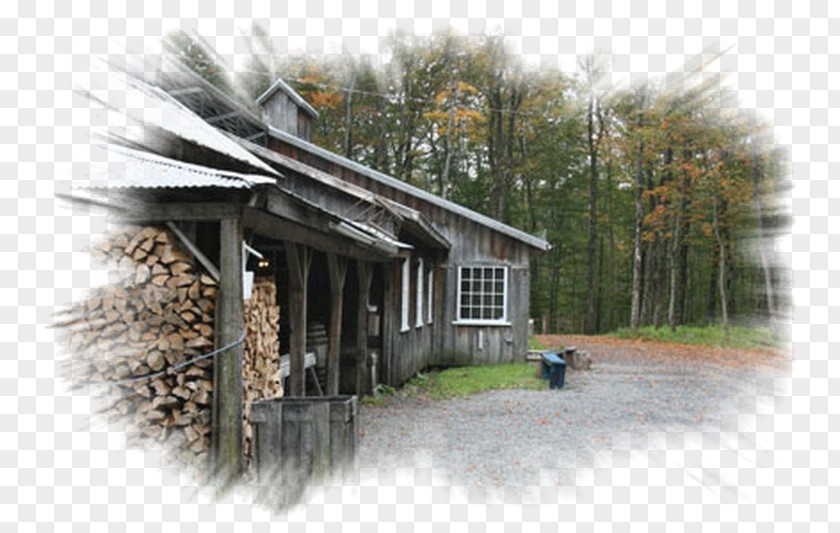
<point x="56" y="468"/>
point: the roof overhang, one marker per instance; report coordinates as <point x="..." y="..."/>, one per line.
<point x="285" y="204"/>
<point x="410" y="219"/>
<point x="122" y="168"/>
<point x="139" y="186"/>
<point x="151" y="111"/>
<point x="418" y="225"/>
<point x="396" y="184"/>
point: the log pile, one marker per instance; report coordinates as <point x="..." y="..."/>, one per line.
<point x="261" y="353"/>
<point x="157" y="314"/>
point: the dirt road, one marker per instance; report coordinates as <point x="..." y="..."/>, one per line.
<point x="518" y="438"/>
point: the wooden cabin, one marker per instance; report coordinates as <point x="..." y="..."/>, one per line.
<point x="375" y="279"/>
<point x="457" y="294"/>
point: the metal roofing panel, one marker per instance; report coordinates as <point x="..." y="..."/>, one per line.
<point x="390" y="181"/>
<point x="146" y="105"/>
<point x="125" y="168"/>
<point x="361" y="232"/>
<point x="416" y="221"/>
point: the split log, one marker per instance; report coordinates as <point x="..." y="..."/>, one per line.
<point x="159" y="314"/>
<point x="261" y="353"/>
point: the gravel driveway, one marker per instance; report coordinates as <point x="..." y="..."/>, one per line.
<point x="519" y="438"/>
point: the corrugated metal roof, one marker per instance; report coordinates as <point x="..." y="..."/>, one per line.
<point x="402" y="186"/>
<point x="361" y="232"/>
<point x="418" y="223"/>
<point x="281" y="85"/>
<point x="126" y="168"/>
<point x="146" y="105"/>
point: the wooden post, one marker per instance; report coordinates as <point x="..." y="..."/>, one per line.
<point x="388" y="324"/>
<point x="338" y="273"/>
<point x="226" y="433"/>
<point x="364" y="272"/>
<point x="298" y="259"/>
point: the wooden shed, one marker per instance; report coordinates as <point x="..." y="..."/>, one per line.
<point x="374" y="279"/>
<point x="457" y="294"/>
<point x="232" y="224"/>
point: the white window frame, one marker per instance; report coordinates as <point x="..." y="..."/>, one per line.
<point x="470" y="321"/>
<point x="418" y="300"/>
<point x="430" y="288"/>
<point x="406" y="293"/>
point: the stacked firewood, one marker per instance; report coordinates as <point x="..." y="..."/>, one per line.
<point x="261" y="353"/>
<point x="129" y="338"/>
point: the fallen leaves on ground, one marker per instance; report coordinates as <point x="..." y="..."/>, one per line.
<point x="650" y="352"/>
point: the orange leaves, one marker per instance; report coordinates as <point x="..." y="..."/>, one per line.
<point x="321" y="100"/>
<point x="661" y="193"/>
<point x="312" y="85"/>
<point x="462" y="89"/>
<point x="463" y="118"/>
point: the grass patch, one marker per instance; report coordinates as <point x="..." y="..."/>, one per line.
<point x="461" y="381"/>
<point x="374" y="401"/>
<point x="380" y="397"/>
<point x="739" y="336"/>
<point x="534" y="344"/>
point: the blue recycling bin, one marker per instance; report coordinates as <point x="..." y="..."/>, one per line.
<point x="554" y="370"/>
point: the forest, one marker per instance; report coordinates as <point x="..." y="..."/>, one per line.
<point x="660" y="198"/>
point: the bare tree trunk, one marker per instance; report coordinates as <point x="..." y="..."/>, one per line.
<point x="682" y="279"/>
<point x="612" y="292"/>
<point x="591" y="307"/>
<point x="453" y="97"/>
<point x="721" y="270"/>
<point x="659" y="281"/>
<point x="712" y="287"/>
<point x="636" y="302"/>
<point x="672" y="293"/>
<point x="677" y="257"/>
<point x="348" y="116"/>
<point x="761" y="240"/>
<point x="553" y="311"/>
<point x="494" y="151"/>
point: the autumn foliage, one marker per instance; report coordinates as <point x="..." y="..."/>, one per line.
<point x="659" y="203"/>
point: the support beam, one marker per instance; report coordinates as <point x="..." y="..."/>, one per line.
<point x="364" y="272"/>
<point x="298" y="260"/>
<point x="195" y="251"/>
<point x="219" y="118"/>
<point x="388" y="323"/>
<point x="337" y="267"/>
<point x="180" y="211"/>
<point x="226" y="432"/>
<point x="282" y="229"/>
<point x="185" y="91"/>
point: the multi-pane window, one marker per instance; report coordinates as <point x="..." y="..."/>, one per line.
<point x="482" y="294"/>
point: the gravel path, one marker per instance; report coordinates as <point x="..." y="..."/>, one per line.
<point x="518" y="438"/>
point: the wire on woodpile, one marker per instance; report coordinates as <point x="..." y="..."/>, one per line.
<point x="177" y="367"/>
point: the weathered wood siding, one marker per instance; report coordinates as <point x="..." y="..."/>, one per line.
<point x="408" y="352"/>
<point x="282" y="113"/>
<point x="441" y="343"/>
